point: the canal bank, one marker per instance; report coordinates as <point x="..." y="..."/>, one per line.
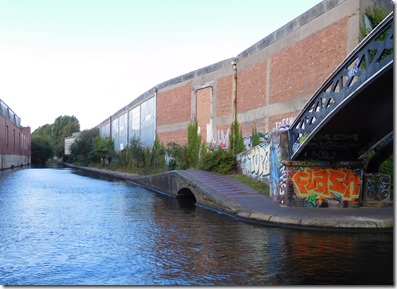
<point x="231" y="197"/>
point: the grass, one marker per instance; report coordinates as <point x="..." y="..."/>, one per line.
<point x="259" y="186"/>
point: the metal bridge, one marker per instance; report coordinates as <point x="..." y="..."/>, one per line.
<point x="352" y="111"/>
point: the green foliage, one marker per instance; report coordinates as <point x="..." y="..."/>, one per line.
<point x="256" y="139"/>
<point x="157" y="155"/>
<point x="193" y="145"/>
<point x="257" y="185"/>
<point x="103" y="149"/>
<point x="82" y="151"/>
<point x="177" y="156"/>
<point x="136" y="153"/>
<point x="375" y="15"/>
<point x="63" y="127"/>
<point x="41" y="149"/>
<point x="56" y="132"/>
<point x="236" y="139"/>
<point x="220" y="161"/>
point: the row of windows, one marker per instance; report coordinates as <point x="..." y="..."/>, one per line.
<point x="20" y="142"/>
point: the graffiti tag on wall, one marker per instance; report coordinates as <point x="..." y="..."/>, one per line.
<point x="218" y="138"/>
<point x="329" y="183"/>
<point x="284" y="124"/>
<point x="256" y="162"/>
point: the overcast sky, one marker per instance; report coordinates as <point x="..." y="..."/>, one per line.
<point x="89" y="58"/>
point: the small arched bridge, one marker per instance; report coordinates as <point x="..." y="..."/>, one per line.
<point x="352" y="111"/>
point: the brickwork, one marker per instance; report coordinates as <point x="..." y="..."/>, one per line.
<point x="302" y="67"/>
<point x="179" y="137"/>
<point x="15" y="144"/>
<point x="251" y="87"/>
<point x="204" y="107"/>
<point x="174" y="105"/>
<point x="224" y="96"/>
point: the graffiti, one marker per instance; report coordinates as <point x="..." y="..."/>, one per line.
<point x="247" y="142"/>
<point x="256" y="162"/>
<point x="219" y="139"/>
<point x="376" y="187"/>
<point x="327" y="182"/>
<point x="283" y="181"/>
<point x="263" y="137"/>
<point x="284" y="124"/>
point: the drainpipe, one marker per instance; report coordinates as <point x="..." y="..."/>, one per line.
<point x="234" y="64"/>
<point x="155" y="114"/>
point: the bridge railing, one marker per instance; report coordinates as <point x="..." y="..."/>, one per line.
<point x="372" y="56"/>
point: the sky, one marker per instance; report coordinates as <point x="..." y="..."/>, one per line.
<point x="90" y="58"/>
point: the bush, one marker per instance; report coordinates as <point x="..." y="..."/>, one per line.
<point x="193" y="145"/>
<point x="220" y="161"/>
<point x="177" y="156"/>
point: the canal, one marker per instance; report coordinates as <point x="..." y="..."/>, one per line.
<point x="60" y="226"/>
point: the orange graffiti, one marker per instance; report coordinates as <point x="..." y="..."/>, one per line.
<point x="326" y="181"/>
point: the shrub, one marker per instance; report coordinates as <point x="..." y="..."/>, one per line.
<point x="220" y="161"/>
<point x="193" y="145"/>
<point x="177" y="156"/>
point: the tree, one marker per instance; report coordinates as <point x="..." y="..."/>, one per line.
<point x="82" y="151"/>
<point x="103" y="148"/>
<point x="63" y="127"/>
<point x="41" y="149"/>
<point x="236" y="139"/>
<point x="193" y="145"/>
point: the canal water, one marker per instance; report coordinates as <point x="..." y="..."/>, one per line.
<point x="64" y="227"/>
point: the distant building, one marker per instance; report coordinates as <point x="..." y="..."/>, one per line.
<point x="15" y="140"/>
<point x="69" y="141"/>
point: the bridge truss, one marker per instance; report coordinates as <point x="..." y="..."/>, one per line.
<point x="360" y="85"/>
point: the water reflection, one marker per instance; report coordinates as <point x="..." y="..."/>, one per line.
<point x="66" y="227"/>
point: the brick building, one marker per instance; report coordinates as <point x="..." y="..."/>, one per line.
<point x="267" y="84"/>
<point x="15" y="140"/>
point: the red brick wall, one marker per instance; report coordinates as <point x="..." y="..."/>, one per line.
<point x="203" y="110"/>
<point x="251" y="87"/>
<point x="174" y="105"/>
<point x="302" y="67"/>
<point x="179" y="137"/>
<point x="224" y="96"/>
<point x="14" y="140"/>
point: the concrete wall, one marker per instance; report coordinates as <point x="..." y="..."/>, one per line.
<point x="15" y="140"/>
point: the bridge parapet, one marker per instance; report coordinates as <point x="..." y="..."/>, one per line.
<point x="372" y="58"/>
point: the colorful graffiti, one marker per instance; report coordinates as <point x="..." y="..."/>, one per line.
<point x="255" y="162"/>
<point x="277" y="170"/>
<point x="328" y="183"/>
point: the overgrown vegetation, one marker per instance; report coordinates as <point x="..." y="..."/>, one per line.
<point x="48" y="141"/>
<point x="257" y="185"/>
<point x="375" y="15"/>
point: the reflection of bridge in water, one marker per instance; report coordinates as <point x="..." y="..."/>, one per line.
<point x="352" y="111"/>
